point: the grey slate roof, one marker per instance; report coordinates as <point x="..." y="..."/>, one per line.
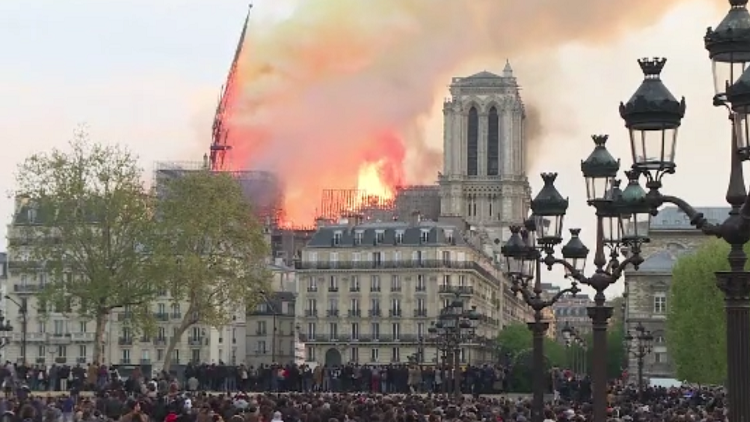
<point x="660" y="262"/>
<point x="412" y="234"/>
<point x="671" y="218"/>
<point x="273" y="304"/>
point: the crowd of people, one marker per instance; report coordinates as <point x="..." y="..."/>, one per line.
<point x="168" y="398"/>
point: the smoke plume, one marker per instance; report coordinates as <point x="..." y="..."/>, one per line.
<point x="344" y="82"/>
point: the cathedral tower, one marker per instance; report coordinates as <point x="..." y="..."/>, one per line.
<point x="484" y="176"/>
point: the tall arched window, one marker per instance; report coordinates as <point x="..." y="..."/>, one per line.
<point x="493" y="143"/>
<point x="472" y="143"/>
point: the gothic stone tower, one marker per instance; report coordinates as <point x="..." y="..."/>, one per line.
<point x="484" y="176"/>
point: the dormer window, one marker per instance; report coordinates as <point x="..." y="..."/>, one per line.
<point x="425" y="236"/>
<point x="337" y="237"/>
<point x="449" y="236"/>
<point x="358" y="235"/>
<point x="379" y="236"/>
<point x="400" y="236"/>
<point x="31" y="215"/>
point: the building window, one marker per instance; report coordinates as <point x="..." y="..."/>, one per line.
<point x="420" y="330"/>
<point x="82" y="352"/>
<point x="374" y="354"/>
<point x="399" y="237"/>
<point x="472" y="143"/>
<point x="261" y="347"/>
<point x="660" y="303"/>
<point x="354" y="284"/>
<point x="160" y="354"/>
<point x="395" y="283"/>
<point x="375" y="283"/>
<point x="377" y="259"/>
<point x="355" y="331"/>
<point x="449" y="236"/>
<point x="145" y="356"/>
<point x="312" y="284"/>
<point x="375" y="330"/>
<point x="59" y="327"/>
<point x="333" y="330"/>
<point x="337" y="237"/>
<point x="41" y="351"/>
<point x="125" y="356"/>
<point x="379" y="236"/>
<point x="395" y="354"/>
<point x="660" y="357"/>
<point x="424" y="236"/>
<point x="354" y="354"/>
<point x="196" y="355"/>
<point x="358" y="235"/>
<point x="396" y="330"/>
<point x="176" y="356"/>
<point x="493" y="143"/>
<point x="311" y="330"/>
<point x="310" y="352"/>
<point x="333" y="284"/>
<point x="421" y="285"/>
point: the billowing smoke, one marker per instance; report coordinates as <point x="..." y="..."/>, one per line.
<point x="345" y="82"/>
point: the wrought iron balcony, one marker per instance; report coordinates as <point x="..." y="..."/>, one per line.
<point x="161" y="316"/>
<point x="375" y="312"/>
<point x="125" y="341"/>
<point x="355" y="312"/>
<point x="420" y="313"/>
<point x="461" y="290"/>
<point x="332" y="312"/>
<point x="195" y="341"/>
<point x="485" y="270"/>
<point x="395" y="312"/>
<point x="311" y="312"/>
<point x="420" y="288"/>
<point x="333" y="289"/>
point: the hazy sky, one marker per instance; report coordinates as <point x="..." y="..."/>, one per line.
<point x="147" y="74"/>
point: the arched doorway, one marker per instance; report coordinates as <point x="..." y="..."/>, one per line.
<point x="333" y="357"/>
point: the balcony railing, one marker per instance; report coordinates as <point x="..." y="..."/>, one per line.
<point x="333" y="289"/>
<point x="332" y="312"/>
<point x="195" y="341"/>
<point x="355" y="312"/>
<point x="395" y="289"/>
<point x="312" y="289"/>
<point x="375" y="289"/>
<point x="125" y="341"/>
<point x="420" y="313"/>
<point x="365" y="338"/>
<point x="161" y="316"/>
<point x="395" y="312"/>
<point x="311" y="312"/>
<point x="421" y="288"/>
<point x="160" y="341"/>
<point x="353" y="289"/>
<point x="461" y="290"/>
<point x="491" y="273"/>
<point x="375" y="312"/>
<point x="27" y="288"/>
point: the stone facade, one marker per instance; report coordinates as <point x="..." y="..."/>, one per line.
<point x="647" y="290"/>
<point x="484" y="175"/>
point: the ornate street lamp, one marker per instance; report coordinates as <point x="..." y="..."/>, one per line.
<point x="455" y="326"/>
<point x="523" y="261"/>
<point x="639" y="343"/>
<point x="620" y="219"/>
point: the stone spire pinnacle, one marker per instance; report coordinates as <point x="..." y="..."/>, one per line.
<point x="507" y="71"/>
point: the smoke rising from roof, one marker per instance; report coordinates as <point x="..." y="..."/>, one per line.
<point x="342" y="82"/>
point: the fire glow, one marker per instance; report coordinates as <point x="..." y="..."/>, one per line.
<point x="335" y="96"/>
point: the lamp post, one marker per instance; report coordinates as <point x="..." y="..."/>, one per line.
<point x="570" y="337"/>
<point x="622" y="220"/>
<point x="523" y="261"/>
<point x="639" y="343"/>
<point x="23" y="310"/>
<point x="455" y="326"/>
<point x="5" y="327"/>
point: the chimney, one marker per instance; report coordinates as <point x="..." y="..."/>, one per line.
<point x="320" y="222"/>
<point x="416" y="217"/>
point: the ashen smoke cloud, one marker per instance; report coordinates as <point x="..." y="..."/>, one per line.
<point x="342" y="83"/>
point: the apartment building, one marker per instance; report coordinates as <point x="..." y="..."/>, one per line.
<point x="369" y="291"/>
<point x="272" y="329"/>
<point x="55" y="335"/>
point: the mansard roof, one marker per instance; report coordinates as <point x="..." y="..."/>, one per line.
<point x="437" y="234"/>
<point x="660" y="262"/>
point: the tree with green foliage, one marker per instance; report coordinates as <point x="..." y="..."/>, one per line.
<point x="212" y="249"/>
<point x="696" y="325"/>
<point x="83" y="220"/>
<point x="516" y="344"/>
